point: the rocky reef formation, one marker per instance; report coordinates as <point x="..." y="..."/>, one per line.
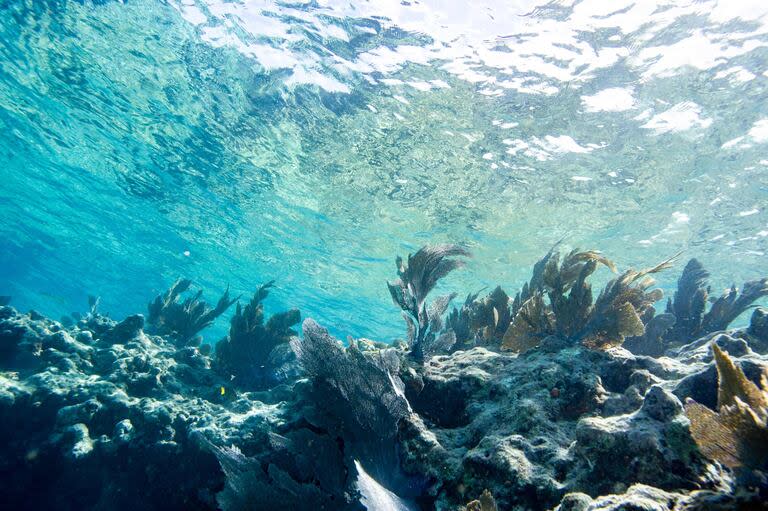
<point x="521" y="403"/>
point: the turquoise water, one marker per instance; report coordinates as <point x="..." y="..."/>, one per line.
<point x="311" y="142"/>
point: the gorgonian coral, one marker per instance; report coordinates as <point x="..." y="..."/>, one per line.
<point x="416" y="280"/>
<point x="480" y="321"/>
<point x="686" y="317"/>
<point x="486" y="502"/>
<point x="736" y="434"/>
<point x="183" y="320"/>
<point x="251" y="354"/>
<point x="359" y="397"/>
<point x="558" y="301"/>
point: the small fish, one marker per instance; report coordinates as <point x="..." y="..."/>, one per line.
<point x="223" y="391"/>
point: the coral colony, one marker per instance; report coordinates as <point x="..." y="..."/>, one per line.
<point x="551" y="399"/>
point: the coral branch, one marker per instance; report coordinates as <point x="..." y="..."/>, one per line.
<point x="252" y="353"/>
<point x="183" y="320"/>
<point x="409" y="292"/>
<point x="737" y="434"/>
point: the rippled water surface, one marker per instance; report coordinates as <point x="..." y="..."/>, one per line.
<point x="234" y="142"/>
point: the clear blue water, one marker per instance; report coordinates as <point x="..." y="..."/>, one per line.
<point x="234" y="142"/>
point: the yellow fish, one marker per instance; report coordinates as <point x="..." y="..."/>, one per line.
<point x="223" y="391"/>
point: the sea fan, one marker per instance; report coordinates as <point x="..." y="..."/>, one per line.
<point x="359" y="395"/>
<point x="687" y="318"/>
<point x="689" y="304"/>
<point x="480" y="321"/>
<point x="621" y="303"/>
<point x="737" y="434"/>
<point x="486" y="502"/>
<point x="558" y="301"/>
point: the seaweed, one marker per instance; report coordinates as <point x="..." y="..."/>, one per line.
<point x="184" y="320"/>
<point x="250" y="354"/>
<point x="737" y="434"/>
<point x="480" y="321"/>
<point x="732" y="303"/>
<point x="409" y="292"/>
<point x="550" y="274"/>
<point x="536" y="283"/>
<point x="689" y="304"/>
<point x="558" y="301"/>
<point x="458" y="321"/>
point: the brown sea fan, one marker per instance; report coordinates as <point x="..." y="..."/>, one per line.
<point x="737" y="434"/>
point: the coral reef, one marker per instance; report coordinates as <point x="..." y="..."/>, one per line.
<point x="416" y="280"/>
<point x="101" y="414"/>
<point x="183" y="320"/>
<point x="105" y="418"/>
<point x="533" y="427"/>
<point x="256" y="355"/>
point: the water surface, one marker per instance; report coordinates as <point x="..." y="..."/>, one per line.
<point x="310" y="142"/>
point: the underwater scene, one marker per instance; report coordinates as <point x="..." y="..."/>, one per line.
<point x="390" y="255"/>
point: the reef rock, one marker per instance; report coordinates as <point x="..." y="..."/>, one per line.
<point x="101" y="415"/>
<point x="112" y="419"/>
<point x="535" y="427"/>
